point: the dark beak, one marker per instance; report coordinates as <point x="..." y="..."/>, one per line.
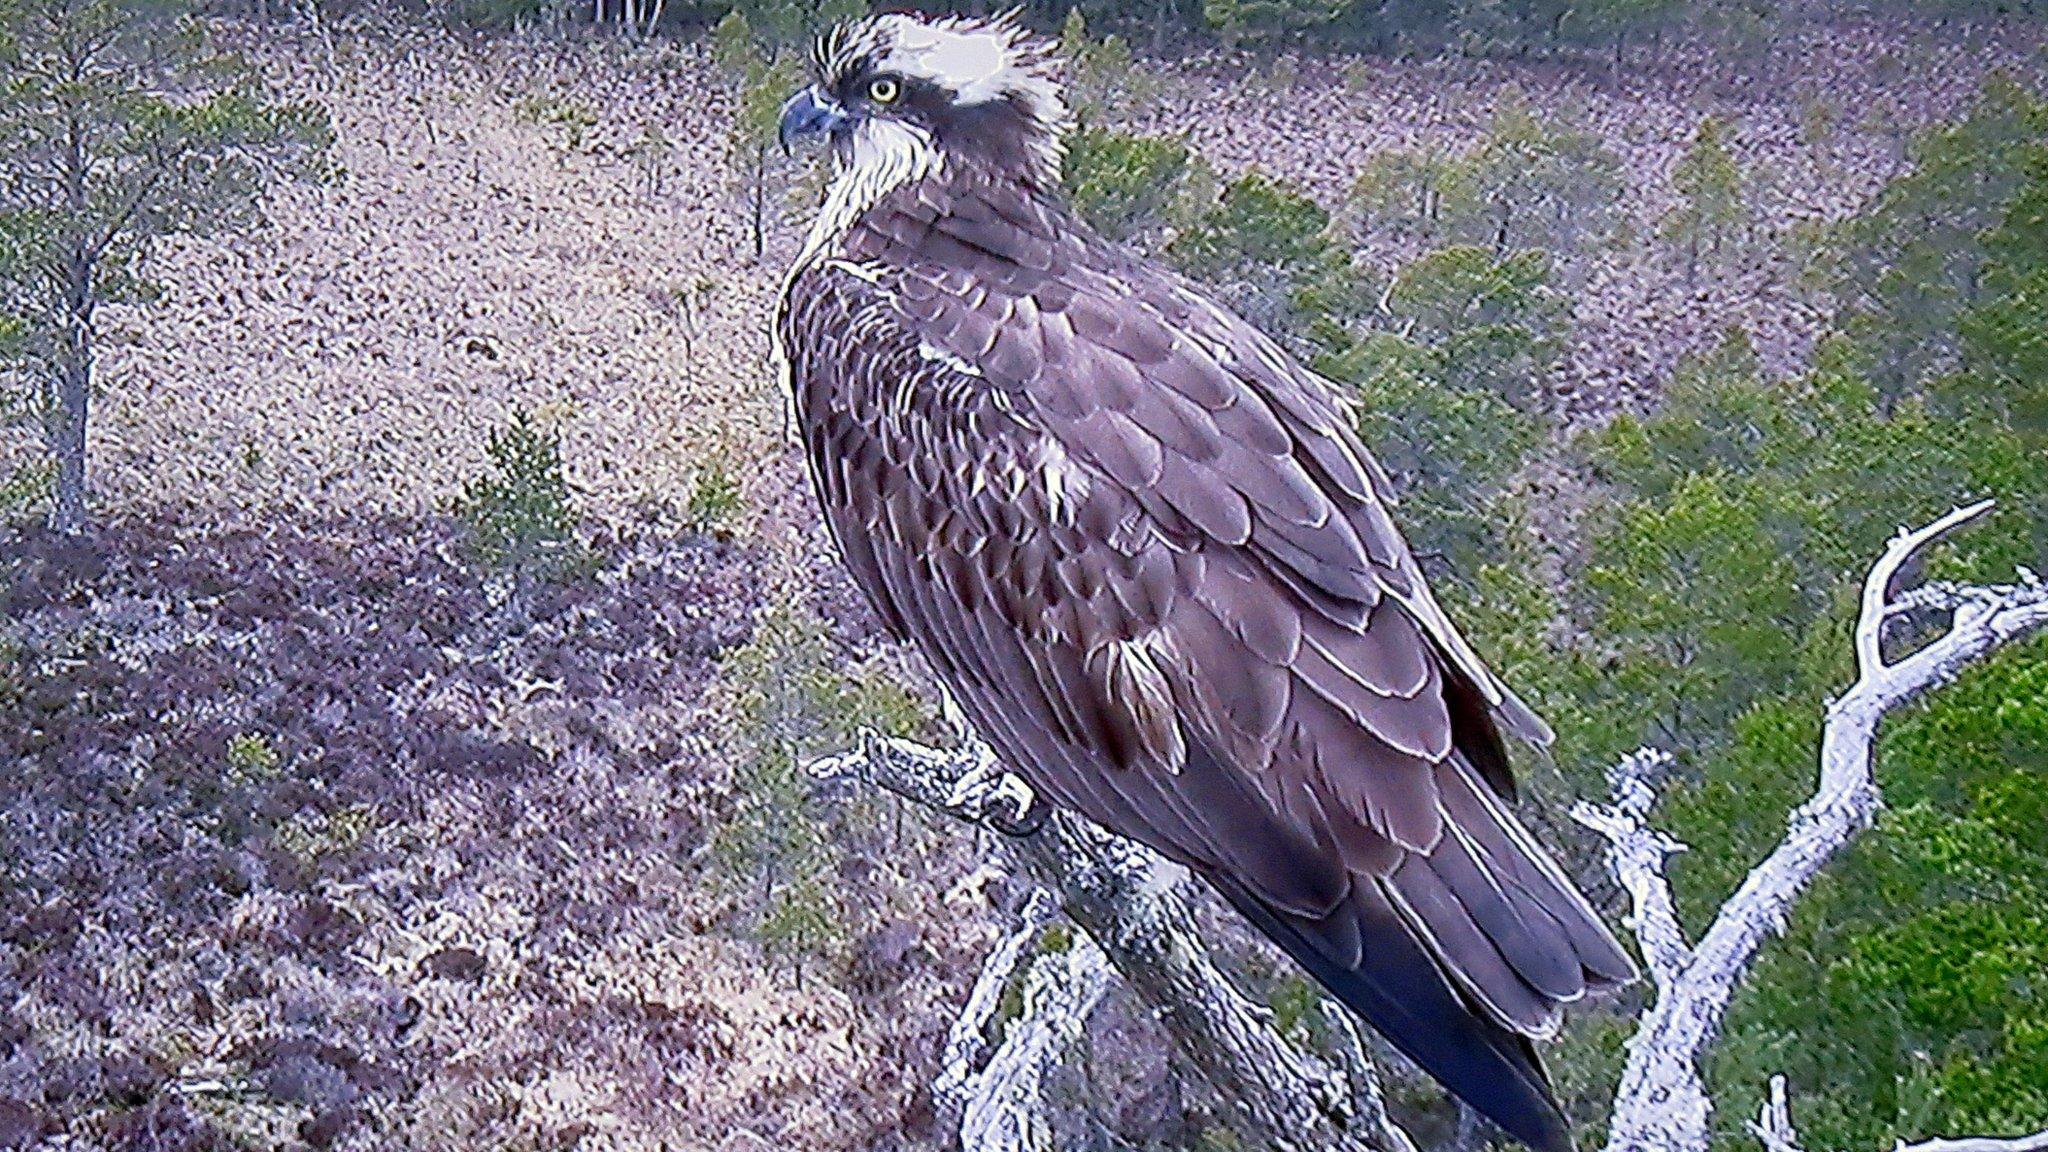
<point x="808" y="113"/>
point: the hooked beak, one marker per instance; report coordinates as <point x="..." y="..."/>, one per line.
<point x="808" y="113"/>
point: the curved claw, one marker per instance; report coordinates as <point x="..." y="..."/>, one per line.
<point x="1030" y="815"/>
<point x="997" y="797"/>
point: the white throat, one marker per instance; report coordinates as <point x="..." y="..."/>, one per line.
<point x="882" y="156"/>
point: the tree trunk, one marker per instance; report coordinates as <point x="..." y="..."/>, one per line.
<point x="67" y="444"/>
<point x="760" y="202"/>
<point x="64" y="425"/>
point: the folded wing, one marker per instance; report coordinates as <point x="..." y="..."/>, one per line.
<point x="1155" y="567"/>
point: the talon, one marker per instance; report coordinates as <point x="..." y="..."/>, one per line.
<point x="1029" y="818"/>
<point x="972" y="788"/>
<point x="999" y="798"/>
<point x="1026" y="816"/>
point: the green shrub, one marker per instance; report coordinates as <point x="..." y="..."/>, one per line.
<point x="546" y="110"/>
<point x="1493" y="320"/>
<point x="1243" y="20"/>
<point x="27" y="488"/>
<point x="789" y="703"/>
<point x="1269" y="248"/>
<point x="715" y="499"/>
<point x="253" y="758"/>
<point x="1451" y="449"/>
<point x="1911" y="265"/>
<point x="519" y="517"/>
<point x="1533" y="181"/>
<point x="1258" y="223"/>
<point x="1121" y="184"/>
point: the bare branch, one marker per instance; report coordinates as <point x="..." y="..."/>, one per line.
<point x="999" y="1096"/>
<point x="1368" y="1102"/>
<point x="1008" y="1110"/>
<point x="1139" y="910"/>
<point x="1773" y="1126"/>
<point x="1638" y="855"/>
<point x="967" y="1046"/>
<point x="2038" y="1142"/>
<point x="1662" y="1102"/>
<point x="1877" y="585"/>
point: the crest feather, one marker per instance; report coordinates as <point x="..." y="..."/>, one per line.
<point x="978" y="59"/>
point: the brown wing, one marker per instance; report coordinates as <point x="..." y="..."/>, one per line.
<point x="933" y="493"/>
<point x="1151" y="561"/>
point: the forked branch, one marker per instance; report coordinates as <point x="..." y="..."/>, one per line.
<point x="1773" y="1127"/>
<point x="1138" y="911"/>
<point x="1662" y="1104"/>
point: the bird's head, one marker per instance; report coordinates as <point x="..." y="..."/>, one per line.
<point x="903" y="93"/>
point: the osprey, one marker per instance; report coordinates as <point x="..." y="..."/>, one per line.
<point x="1145" y="552"/>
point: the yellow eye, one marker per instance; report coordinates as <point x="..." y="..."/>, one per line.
<point x="884" y="90"/>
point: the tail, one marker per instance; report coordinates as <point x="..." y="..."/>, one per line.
<point x="1398" y="988"/>
<point x="1461" y="956"/>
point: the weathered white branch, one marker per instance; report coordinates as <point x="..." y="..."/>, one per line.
<point x="1773" y="1126"/>
<point x="1638" y="854"/>
<point x="1008" y="1110"/>
<point x="967" y="1040"/>
<point x="998" y="1097"/>
<point x="1368" y="1103"/>
<point x="1138" y="909"/>
<point x="1662" y="1104"/>
<point x="2038" y="1142"/>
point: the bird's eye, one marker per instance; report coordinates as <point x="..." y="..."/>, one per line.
<point x="884" y="90"/>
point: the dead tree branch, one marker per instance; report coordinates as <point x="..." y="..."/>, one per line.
<point x="1662" y="1104"/>
<point x="1773" y="1126"/>
<point x="998" y="1096"/>
<point x="1138" y="910"/>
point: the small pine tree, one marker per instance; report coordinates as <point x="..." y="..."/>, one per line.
<point x="1538" y="182"/>
<point x="1246" y="21"/>
<point x="1121" y="184"/>
<point x="1493" y="320"/>
<point x="1712" y="211"/>
<point x="519" y="516"/>
<point x="1102" y="77"/>
<point x="760" y="84"/>
<point x="119" y="125"/>
<point x="1532" y="182"/>
<point x="1409" y="193"/>
<point x="774" y="847"/>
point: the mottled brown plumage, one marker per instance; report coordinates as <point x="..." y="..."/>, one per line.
<point x="1149" y="558"/>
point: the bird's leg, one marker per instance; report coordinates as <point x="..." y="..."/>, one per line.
<point x="1028" y="814"/>
<point x="997" y="797"/>
<point x="989" y="788"/>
